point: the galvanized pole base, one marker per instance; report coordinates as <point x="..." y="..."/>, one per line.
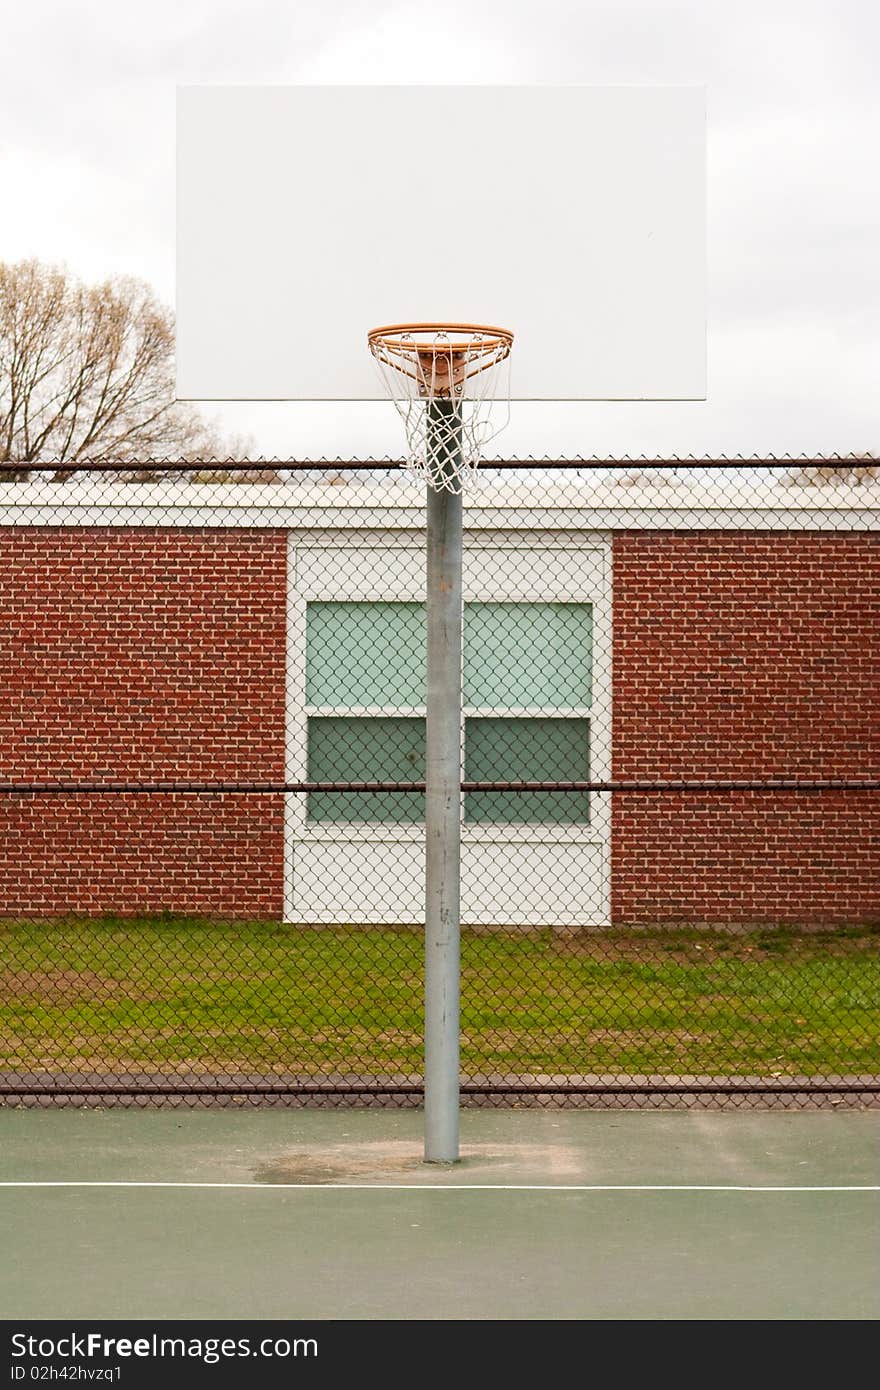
<point x="442" y="797"/>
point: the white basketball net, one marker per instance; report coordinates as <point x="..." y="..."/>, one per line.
<point x="450" y="385"/>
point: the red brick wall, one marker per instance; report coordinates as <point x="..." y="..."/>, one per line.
<point x="156" y="653"/>
<point x="149" y="653"/>
<point x="740" y="654"/>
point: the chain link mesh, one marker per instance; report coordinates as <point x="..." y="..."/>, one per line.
<point x="212" y="723"/>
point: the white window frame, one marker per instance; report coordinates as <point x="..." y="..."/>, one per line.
<point x="576" y="570"/>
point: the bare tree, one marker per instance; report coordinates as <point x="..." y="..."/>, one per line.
<point x="86" y="373"/>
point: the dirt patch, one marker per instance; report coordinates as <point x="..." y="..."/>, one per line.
<point x="402" y="1160"/>
<point x="62" y="986"/>
<point x="658" y="948"/>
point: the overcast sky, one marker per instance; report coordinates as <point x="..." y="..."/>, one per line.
<point x="87" y="159"/>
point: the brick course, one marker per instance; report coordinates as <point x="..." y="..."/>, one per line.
<point x="144" y="653"/>
<point x="746" y="654"/>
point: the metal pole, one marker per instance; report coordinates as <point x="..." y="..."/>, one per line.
<point x="443" y="787"/>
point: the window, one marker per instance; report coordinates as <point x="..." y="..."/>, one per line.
<point x="365" y="654"/>
<point x="531" y="750"/>
<point x="527" y="693"/>
<point x="527" y="677"/>
<point x="366" y="750"/>
<point x="365" y="693"/>
<point x="528" y="654"/>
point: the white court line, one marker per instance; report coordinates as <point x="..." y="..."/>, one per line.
<point x="454" y="1187"/>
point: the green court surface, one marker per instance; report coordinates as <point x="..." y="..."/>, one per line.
<point x="330" y="1214"/>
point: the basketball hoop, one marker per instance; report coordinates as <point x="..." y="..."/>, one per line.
<point x="445" y="380"/>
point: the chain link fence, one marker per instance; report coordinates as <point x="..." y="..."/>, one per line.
<point x="212" y="734"/>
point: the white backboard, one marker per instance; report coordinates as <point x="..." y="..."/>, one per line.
<point x="574" y="216"/>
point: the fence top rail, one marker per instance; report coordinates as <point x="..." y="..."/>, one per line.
<point x="841" y="462"/>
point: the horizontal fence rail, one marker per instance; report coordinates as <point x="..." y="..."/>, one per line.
<point x="212" y="782"/>
<point x="656" y="1086"/>
<point x="745" y="784"/>
<point x="340" y="465"/>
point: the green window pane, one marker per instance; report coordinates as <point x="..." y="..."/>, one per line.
<point x="366" y="750"/>
<point x="365" y="654"/>
<point x="530" y="750"/>
<point x="519" y="654"/>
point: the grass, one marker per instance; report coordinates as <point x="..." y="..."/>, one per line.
<point x="181" y="994"/>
